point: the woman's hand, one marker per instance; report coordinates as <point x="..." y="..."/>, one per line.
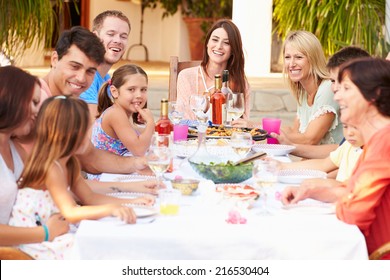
<point x="57" y="225"/>
<point x="149" y="186"/>
<point x="144" y="200"/>
<point x="292" y="195"/>
<point x="282" y="137"/>
<point x="243" y="123"/>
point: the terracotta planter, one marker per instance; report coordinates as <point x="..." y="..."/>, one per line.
<point x="196" y="36"/>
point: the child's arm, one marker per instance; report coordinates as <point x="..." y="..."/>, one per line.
<point x="119" y="122"/>
<point x="10" y="235"/>
<point x="103" y="206"/>
<point x="325" y="164"/>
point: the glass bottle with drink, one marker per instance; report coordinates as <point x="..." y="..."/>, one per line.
<point x="164" y="124"/>
<point x="227" y="92"/>
<point x="164" y="127"/>
<point x="218" y="102"/>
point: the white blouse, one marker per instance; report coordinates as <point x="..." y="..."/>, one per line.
<point x="8" y="186"/>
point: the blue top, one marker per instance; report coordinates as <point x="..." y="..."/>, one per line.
<point x="91" y="94"/>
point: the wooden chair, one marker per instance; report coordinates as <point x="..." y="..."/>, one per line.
<point x="381" y="252"/>
<point x="11" y="253"/>
<point x="175" y="66"/>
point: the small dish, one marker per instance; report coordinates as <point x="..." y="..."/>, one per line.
<point x="185" y="186"/>
<point x="273" y="149"/>
<point x="296" y="176"/>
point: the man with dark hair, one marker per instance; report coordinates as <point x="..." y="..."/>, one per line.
<point x="333" y="65"/>
<point x="74" y="62"/>
<point x="113" y="29"/>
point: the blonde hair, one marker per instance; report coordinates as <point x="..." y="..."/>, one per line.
<point x="62" y="124"/>
<point x="309" y="45"/>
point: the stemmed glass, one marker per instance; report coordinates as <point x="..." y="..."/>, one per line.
<point x="265" y="175"/>
<point x="199" y="105"/>
<point x="241" y="143"/>
<point x="235" y="107"/>
<point x="173" y="112"/>
<point x="159" y="159"/>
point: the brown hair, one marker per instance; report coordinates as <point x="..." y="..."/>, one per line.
<point x="61" y="128"/>
<point x="372" y="77"/>
<point x="99" y="19"/>
<point x="119" y="77"/>
<point x="16" y="93"/>
<point x="236" y="62"/>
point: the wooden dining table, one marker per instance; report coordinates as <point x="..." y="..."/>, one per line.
<point x="201" y="230"/>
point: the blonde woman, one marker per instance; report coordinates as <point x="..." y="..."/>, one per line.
<point x="317" y="120"/>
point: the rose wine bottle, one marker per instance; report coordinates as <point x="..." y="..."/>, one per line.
<point x="164" y="126"/>
<point x="218" y="102"/>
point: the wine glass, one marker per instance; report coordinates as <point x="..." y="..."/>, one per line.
<point x="159" y="159"/>
<point x="199" y="104"/>
<point x="173" y="112"/>
<point x="265" y="175"/>
<point x="241" y="143"/>
<point x="235" y="107"/>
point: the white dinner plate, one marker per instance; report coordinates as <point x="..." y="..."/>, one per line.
<point x="296" y="176"/>
<point x="273" y="149"/>
<point x="312" y="207"/>
<point x="126" y="195"/>
<point x="142" y="212"/>
<point x="125" y="178"/>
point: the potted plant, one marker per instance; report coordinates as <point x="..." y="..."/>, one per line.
<point x="198" y="16"/>
<point x="22" y="23"/>
<point x="336" y="23"/>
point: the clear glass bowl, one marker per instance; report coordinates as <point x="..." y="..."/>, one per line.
<point x="223" y="172"/>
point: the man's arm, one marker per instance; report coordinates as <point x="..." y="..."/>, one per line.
<point x="95" y="161"/>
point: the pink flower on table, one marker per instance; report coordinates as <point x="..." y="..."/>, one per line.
<point x="235" y="218"/>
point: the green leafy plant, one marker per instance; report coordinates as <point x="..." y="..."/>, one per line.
<point x="22" y="23"/>
<point x="336" y="23"/>
<point x="194" y="8"/>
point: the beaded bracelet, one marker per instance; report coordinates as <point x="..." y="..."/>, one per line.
<point x="46" y="229"/>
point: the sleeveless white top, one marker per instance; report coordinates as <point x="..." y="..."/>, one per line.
<point x="8" y="186"/>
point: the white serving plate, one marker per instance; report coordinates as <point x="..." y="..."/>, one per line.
<point x="311" y="207"/>
<point x="142" y="212"/>
<point x="273" y="149"/>
<point x="126" y="195"/>
<point x="107" y="177"/>
<point x="296" y="176"/>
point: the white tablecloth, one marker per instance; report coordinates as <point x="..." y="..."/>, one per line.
<point x="200" y="231"/>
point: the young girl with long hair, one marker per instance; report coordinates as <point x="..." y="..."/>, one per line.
<point x="116" y="129"/>
<point x="51" y="181"/>
<point x="19" y="99"/>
